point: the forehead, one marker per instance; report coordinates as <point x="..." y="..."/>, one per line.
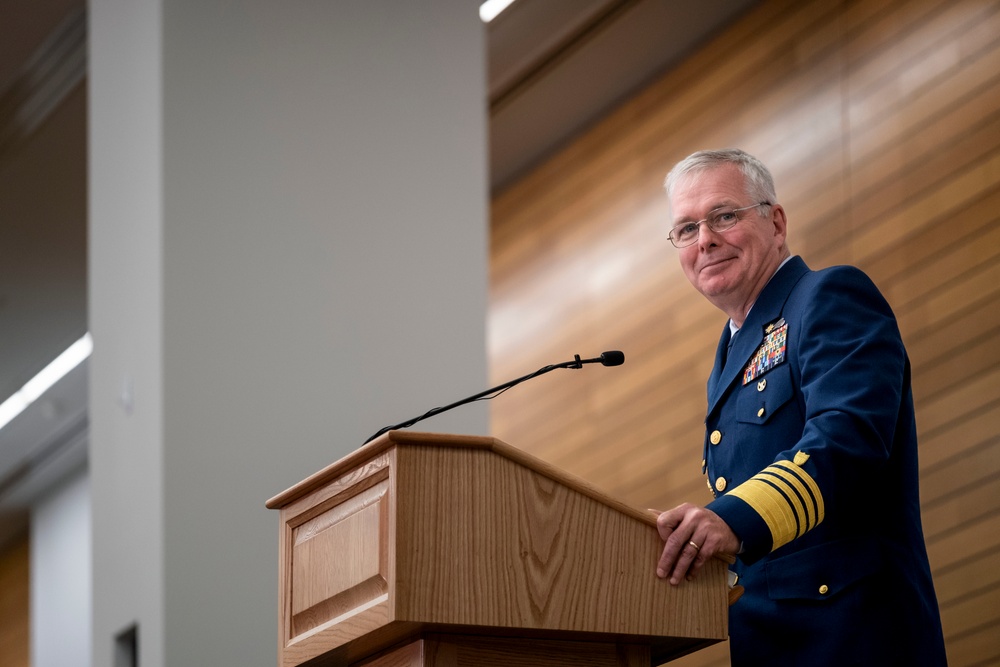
<point x="699" y="192"/>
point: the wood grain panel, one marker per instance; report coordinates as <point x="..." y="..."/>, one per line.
<point x="958" y="583"/>
<point x="957" y="437"/>
<point x="976" y="646"/>
<point x="952" y="549"/>
<point x="409" y="655"/>
<point x="982" y="609"/>
<point x="880" y="120"/>
<point x="459" y="651"/>
<point x="524" y="562"/>
<point x="15" y="638"/>
<point x="340" y="559"/>
<point x="964" y="230"/>
<point x="918" y="58"/>
<point x="429" y="533"/>
<point x="323" y="604"/>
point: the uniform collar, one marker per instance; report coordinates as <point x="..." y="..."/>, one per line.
<point x="733" y="329"/>
<point x="766" y="308"/>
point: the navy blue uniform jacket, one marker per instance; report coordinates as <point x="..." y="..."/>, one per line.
<point x="811" y="452"/>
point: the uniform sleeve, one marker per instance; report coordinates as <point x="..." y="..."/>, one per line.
<point x="852" y="377"/>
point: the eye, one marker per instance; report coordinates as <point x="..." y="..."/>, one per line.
<point x="725" y="216"/>
<point x="685" y="231"/>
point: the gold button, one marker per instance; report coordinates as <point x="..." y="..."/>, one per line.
<point x="720" y="484"/>
<point x="824" y="589"/>
<point x="762" y="385"/>
<point x="760" y="413"/>
<point x="715" y="438"/>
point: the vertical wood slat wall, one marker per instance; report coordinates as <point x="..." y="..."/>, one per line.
<point x="880" y="120"/>
<point x="15" y="638"/>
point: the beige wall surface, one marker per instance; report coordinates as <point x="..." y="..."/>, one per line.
<point x="880" y="120"/>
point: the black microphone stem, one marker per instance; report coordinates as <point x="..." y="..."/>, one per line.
<point x="576" y="363"/>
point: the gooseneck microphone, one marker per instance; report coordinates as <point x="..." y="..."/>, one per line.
<point x="611" y="358"/>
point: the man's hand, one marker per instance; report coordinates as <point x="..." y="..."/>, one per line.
<point x="691" y="535"/>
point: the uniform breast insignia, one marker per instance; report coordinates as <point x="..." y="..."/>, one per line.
<point x="770" y="353"/>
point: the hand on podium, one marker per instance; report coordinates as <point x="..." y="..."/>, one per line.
<point x="691" y="536"/>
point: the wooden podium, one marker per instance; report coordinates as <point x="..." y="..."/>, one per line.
<point x="430" y="550"/>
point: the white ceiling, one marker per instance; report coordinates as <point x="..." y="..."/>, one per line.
<point x="555" y="67"/>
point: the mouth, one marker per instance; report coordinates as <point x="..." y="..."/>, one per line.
<point x="711" y="264"/>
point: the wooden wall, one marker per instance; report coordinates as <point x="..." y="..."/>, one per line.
<point x="15" y="639"/>
<point x="880" y="120"/>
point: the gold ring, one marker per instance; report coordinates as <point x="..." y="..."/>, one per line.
<point x="696" y="547"/>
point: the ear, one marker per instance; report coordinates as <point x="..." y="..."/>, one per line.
<point x="780" y="223"/>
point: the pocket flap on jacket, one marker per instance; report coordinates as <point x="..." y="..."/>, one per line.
<point x="821" y="572"/>
<point x="763" y="397"/>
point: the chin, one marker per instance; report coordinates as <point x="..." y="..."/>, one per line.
<point x="713" y="287"/>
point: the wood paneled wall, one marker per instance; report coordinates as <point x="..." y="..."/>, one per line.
<point x="880" y="120"/>
<point x="15" y="639"/>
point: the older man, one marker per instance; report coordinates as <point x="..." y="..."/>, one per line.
<point x="810" y="446"/>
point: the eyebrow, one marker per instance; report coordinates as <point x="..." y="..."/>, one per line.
<point x="680" y="221"/>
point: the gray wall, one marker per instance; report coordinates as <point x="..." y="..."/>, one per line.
<point x="60" y="575"/>
<point x="287" y="251"/>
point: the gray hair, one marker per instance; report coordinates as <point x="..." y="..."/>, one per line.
<point x="760" y="184"/>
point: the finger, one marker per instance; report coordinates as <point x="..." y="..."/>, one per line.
<point x="702" y="554"/>
<point x="664" y="527"/>
<point x="665" y="564"/>
<point x="668" y="557"/>
<point x="687" y="555"/>
<point x="667" y="522"/>
<point x="673" y="528"/>
<point x="673" y="551"/>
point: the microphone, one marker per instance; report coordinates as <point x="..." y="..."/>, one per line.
<point x="610" y="358"/>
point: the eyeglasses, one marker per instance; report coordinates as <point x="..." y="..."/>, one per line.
<point x="720" y="220"/>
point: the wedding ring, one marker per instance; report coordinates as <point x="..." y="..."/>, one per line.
<point x="696" y="547"/>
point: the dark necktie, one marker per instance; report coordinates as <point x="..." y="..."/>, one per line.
<point x="729" y="348"/>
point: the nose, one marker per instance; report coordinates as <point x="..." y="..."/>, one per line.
<point x="707" y="237"/>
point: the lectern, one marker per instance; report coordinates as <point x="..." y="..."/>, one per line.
<point x="429" y="550"/>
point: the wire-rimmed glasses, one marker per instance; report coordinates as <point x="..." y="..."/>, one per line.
<point x="721" y="219"/>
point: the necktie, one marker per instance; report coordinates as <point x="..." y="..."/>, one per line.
<point x="729" y="348"/>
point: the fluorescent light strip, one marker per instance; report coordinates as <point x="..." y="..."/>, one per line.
<point x="489" y="9"/>
<point x="47" y="377"/>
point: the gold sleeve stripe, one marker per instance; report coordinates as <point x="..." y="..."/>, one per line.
<point x="811" y="487"/>
<point x="805" y="504"/>
<point x="772" y="506"/>
<point x="787" y="498"/>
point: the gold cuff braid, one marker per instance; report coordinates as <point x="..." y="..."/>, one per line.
<point x="787" y="498"/>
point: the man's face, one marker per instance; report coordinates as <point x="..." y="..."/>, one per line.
<point x="729" y="268"/>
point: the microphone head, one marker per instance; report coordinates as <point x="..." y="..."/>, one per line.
<point x="613" y="358"/>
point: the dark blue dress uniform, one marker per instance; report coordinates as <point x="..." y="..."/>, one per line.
<point x="811" y="452"/>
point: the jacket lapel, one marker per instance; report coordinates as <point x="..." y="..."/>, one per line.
<point x="766" y="309"/>
<point x="720" y="358"/>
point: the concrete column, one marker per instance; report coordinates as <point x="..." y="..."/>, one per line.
<point x="287" y="251"/>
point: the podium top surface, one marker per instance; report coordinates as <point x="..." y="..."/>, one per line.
<point x="421" y="439"/>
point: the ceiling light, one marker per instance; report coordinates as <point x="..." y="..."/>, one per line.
<point x="47" y="377"/>
<point x="489" y="9"/>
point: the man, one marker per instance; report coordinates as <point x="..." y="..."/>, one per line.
<point x="810" y="445"/>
